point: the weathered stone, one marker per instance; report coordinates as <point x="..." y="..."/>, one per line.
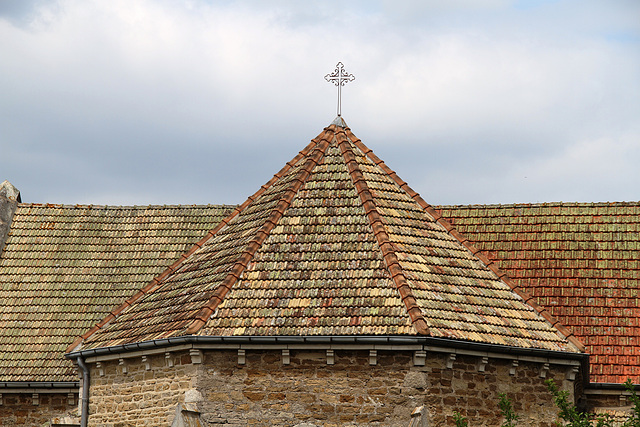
<point x="192" y="395"/>
<point x="254" y="396"/>
<point x="265" y="392"/>
<point x="415" y="379"/>
<point x="18" y="409"/>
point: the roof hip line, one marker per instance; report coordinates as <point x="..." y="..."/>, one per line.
<point x="252" y="247"/>
<point x="391" y="259"/>
<point x="439" y="219"/>
<point x="156" y="282"/>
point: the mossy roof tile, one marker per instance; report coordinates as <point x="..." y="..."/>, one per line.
<point x="64" y="268"/>
<point x="579" y="260"/>
<point x="334" y="245"/>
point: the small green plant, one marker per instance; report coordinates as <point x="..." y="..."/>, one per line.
<point x="570" y="414"/>
<point x="568" y="411"/>
<point x="460" y="420"/>
<point x="634" y="418"/>
<point x="510" y="417"/>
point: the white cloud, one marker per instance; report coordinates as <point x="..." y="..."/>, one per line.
<point x="134" y="90"/>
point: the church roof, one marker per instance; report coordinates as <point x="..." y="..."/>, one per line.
<point x="64" y="268"/>
<point x="581" y="261"/>
<point x="334" y="244"/>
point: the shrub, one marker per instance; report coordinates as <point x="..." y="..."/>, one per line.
<point x="634" y="418"/>
<point x="570" y="414"/>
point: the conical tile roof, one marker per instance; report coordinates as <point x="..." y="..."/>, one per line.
<point x="334" y="244"/>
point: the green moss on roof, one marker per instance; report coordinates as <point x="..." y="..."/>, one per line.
<point x="334" y="246"/>
<point x="65" y="267"/>
<point x="579" y="260"/>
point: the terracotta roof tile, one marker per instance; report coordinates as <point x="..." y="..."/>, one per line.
<point x="336" y="244"/>
<point x="64" y="267"/>
<point x="581" y="261"/>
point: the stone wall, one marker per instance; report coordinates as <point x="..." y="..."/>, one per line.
<point x="606" y="399"/>
<point x="137" y="392"/>
<point x="262" y="389"/>
<point x="613" y="402"/>
<point x="25" y="409"/>
<point x="353" y="392"/>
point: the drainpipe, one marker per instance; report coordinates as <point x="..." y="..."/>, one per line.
<point x="84" y="415"/>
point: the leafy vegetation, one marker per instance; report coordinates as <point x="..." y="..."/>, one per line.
<point x="460" y="420"/>
<point x="634" y="418"/>
<point x="506" y="407"/>
<point x="569" y="414"/>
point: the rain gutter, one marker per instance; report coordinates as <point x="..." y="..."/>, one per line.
<point x="339" y="340"/>
<point x="608" y="386"/>
<point x="38" y="384"/>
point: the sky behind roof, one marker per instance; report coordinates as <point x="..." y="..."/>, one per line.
<point x="193" y="101"/>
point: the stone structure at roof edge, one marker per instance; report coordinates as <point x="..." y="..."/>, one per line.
<point x="335" y="244"/>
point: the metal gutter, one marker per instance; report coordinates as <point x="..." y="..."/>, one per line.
<point x="362" y="340"/>
<point x="39" y="384"/>
<point x="608" y="386"/>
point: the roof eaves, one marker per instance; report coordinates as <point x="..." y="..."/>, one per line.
<point x="9" y="385"/>
<point x="395" y="340"/>
<point x="437" y="216"/>
<point x="391" y="260"/>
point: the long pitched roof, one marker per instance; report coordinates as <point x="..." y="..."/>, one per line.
<point x="579" y="260"/>
<point x="334" y="244"/>
<point x="64" y="268"/>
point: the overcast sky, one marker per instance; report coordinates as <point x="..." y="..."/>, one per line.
<point x="193" y="101"/>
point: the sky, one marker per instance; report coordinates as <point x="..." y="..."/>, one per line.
<point x="136" y="102"/>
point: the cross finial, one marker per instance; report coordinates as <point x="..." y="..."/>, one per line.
<point x="339" y="78"/>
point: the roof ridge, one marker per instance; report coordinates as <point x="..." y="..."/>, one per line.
<point x="490" y="264"/>
<point x="156" y="281"/>
<point x="314" y="158"/>
<point x="540" y="205"/>
<point x="386" y="247"/>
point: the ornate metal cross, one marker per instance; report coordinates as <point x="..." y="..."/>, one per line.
<point x="339" y="78"/>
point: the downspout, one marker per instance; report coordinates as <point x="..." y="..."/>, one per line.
<point x="84" y="415"/>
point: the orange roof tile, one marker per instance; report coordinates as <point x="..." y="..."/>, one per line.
<point x="579" y="260"/>
<point x="335" y="244"/>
